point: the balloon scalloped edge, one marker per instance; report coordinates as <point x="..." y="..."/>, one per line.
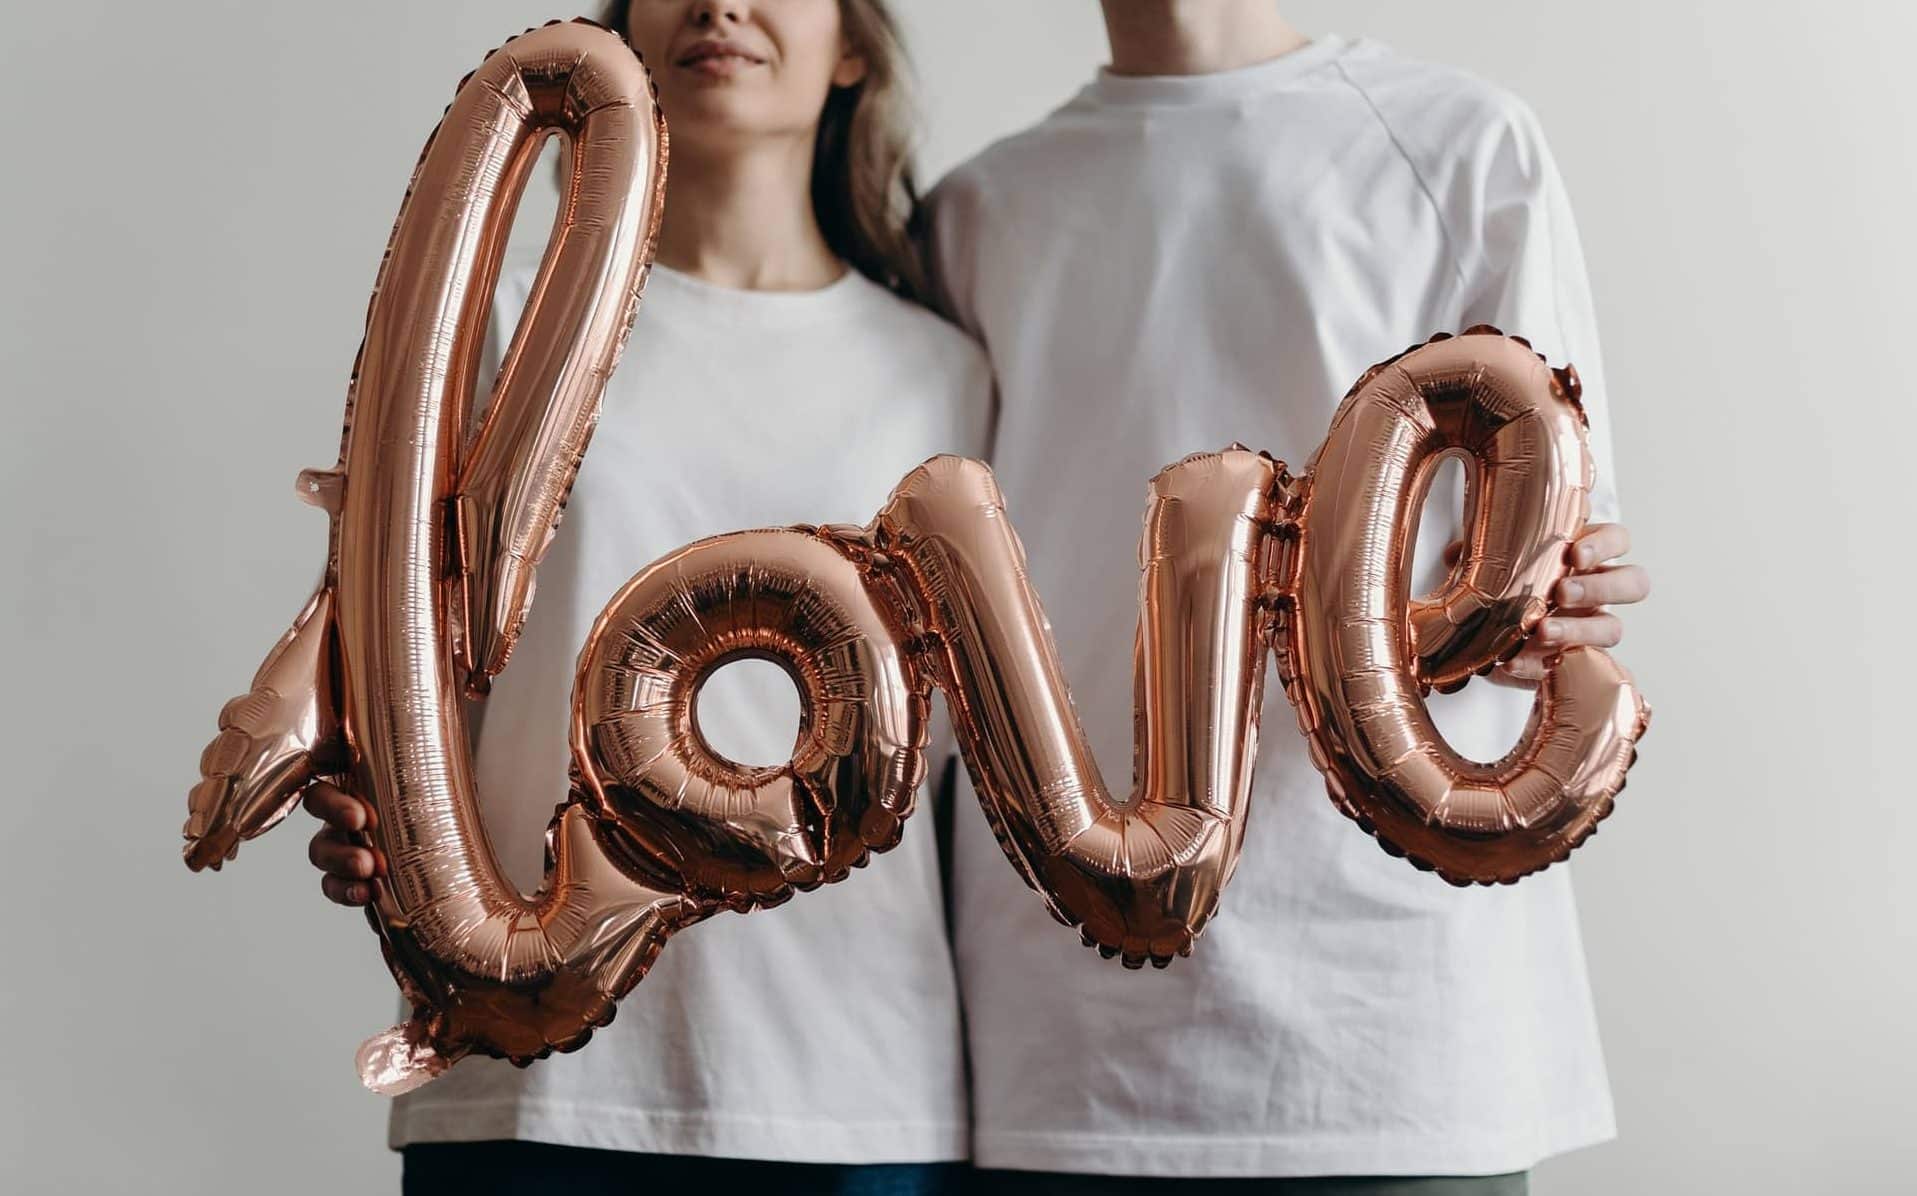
<point x="1567" y="384"/>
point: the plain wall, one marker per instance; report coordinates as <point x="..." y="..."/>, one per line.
<point x="195" y="204"/>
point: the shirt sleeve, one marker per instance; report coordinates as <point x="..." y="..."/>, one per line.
<point x="953" y="251"/>
<point x="1524" y="272"/>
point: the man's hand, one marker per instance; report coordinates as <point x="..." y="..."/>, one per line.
<point x="337" y="849"/>
<point x="1581" y="618"/>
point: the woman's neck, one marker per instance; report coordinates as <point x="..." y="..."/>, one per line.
<point x="1195" y="37"/>
<point x="745" y="220"/>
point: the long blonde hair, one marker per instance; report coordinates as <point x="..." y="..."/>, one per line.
<point x="864" y="194"/>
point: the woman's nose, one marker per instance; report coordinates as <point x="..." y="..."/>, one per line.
<point x="718" y="12"/>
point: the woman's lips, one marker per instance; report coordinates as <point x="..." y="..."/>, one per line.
<point x="718" y="58"/>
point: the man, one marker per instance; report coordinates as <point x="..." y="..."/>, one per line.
<point x="1210" y="243"/>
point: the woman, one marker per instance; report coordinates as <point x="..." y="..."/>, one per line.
<point x="779" y="373"/>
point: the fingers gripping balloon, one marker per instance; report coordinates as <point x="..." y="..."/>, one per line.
<point x="436" y="536"/>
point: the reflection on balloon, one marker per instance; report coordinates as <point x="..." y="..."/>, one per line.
<point x="1357" y="658"/>
<point x="436" y="530"/>
<point x="437" y="534"/>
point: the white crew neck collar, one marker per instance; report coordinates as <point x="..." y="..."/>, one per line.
<point x="1169" y="91"/>
<point x="779" y="307"/>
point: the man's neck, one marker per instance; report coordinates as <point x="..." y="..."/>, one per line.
<point x="1195" y="37"/>
<point x="745" y="221"/>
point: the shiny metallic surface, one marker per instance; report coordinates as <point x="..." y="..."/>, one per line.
<point x="740" y="836"/>
<point x="438" y="527"/>
<point x="436" y="530"/>
<point x="273" y="740"/>
<point x="1139" y="874"/>
<point x="1357" y="653"/>
<point x="1516" y="426"/>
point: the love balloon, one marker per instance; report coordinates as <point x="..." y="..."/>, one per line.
<point x="437" y="528"/>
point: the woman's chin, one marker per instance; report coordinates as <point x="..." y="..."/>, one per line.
<point x="716" y="119"/>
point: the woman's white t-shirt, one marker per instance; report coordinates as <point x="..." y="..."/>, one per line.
<point x="1163" y="266"/>
<point x="827" y="1029"/>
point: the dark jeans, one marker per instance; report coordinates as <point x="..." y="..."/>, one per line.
<point x="1051" y="1183"/>
<point x="536" y="1169"/>
<point x="513" y="1168"/>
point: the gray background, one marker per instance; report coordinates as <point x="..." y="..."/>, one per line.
<point x="195" y="203"/>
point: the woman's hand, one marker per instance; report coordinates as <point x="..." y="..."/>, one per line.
<point x="1582" y="596"/>
<point x="337" y="849"/>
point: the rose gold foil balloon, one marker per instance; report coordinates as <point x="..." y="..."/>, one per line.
<point x="273" y="740"/>
<point x="1140" y="874"/>
<point x="731" y="834"/>
<point x="436" y="531"/>
<point x="1230" y="540"/>
<point x="1357" y="654"/>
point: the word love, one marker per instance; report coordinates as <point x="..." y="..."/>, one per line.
<point x="437" y="534"/>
